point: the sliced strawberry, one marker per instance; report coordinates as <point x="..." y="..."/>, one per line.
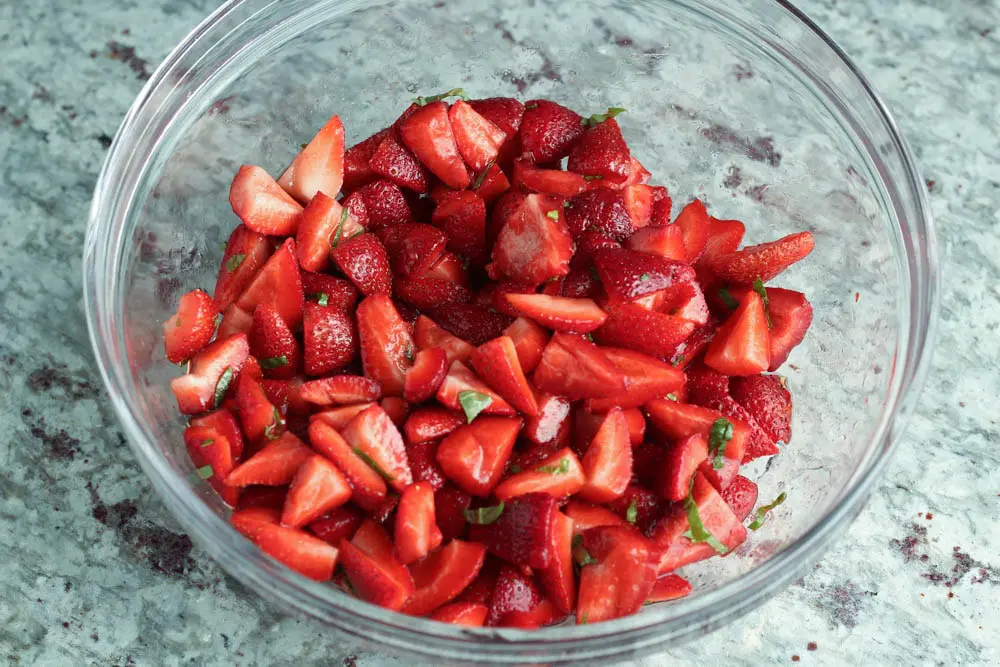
<point x="600" y="210"/>
<point x="339" y="416"/>
<point x="373" y="434"/>
<point x="677" y="550"/>
<point x="319" y="167"/>
<point x="426" y="375"/>
<point x="191" y="327"/>
<point x="741" y="496"/>
<point x="607" y="463"/>
<point x="329" y="339"/>
<point x="549" y="130"/>
<point x="450" y="504"/>
<point x="323" y="222"/>
<point x="669" y="587"/>
<point x="416" y="532"/>
<point x="649" y="332"/>
<point x="478" y="139"/>
<point x="210" y="447"/>
<point x="551" y="422"/>
<point x="666" y="242"/>
<point x="246" y="251"/>
<point x="428" y="133"/>
<point x="338" y="524"/>
<point x="695" y="225"/>
<point x="558" y="312"/>
<point x="497" y="362"/>
<point x="462" y="216"/>
<point x="428" y="334"/>
<point x="374" y="574"/>
<point x="575" y="368"/>
<point x="385" y="204"/>
<point x="364" y="260"/>
<point x="257" y="415"/>
<point x="646" y="378"/>
<point x="392" y="160"/>
<point x="385" y="341"/>
<point x="559" y="475"/>
<point x="274" y="465"/>
<point x="549" y="181"/>
<point x="324" y="289"/>
<point x="470" y="322"/>
<point x="523" y="533"/>
<point x="621" y="577"/>
<point x="491" y="184"/>
<point x="474" y="456"/>
<point x="587" y="515"/>
<point x="530" y="340"/>
<point x="639" y="507"/>
<point x="412" y="247"/>
<point x="460" y="379"/>
<point x="791" y="315"/>
<point x="557" y="580"/>
<point x="341" y="390"/>
<point x="431" y="423"/>
<point x="285" y="394"/>
<point x="368" y="487"/>
<point x="462" y="613"/>
<point x="277" y="284"/>
<point x="589" y="244"/>
<point x="683" y="459"/>
<point x="678" y="421"/>
<point x="533" y="243"/>
<point x="223" y="421"/>
<point x="768" y="401"/>
<point x="742" y="345"/>
<point x="317" y="488"/>
<point x="210" y="374"/>
<point x="261" y="203"/>
<point x="272" y="342"/>
<point x="724" y="236"/>
<point x="357" y="171"/>
<point x="628" y="275"/>
<point x="298" y="550"/>
<point x="441" y="577"/>
<point x="765" y="261"/>
<point x="640" y="200"/>
<point x="602" y="152"/>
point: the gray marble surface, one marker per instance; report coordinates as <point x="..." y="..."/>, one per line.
<point x="93" y="569"/>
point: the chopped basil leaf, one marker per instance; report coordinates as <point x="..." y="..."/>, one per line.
<point x="484" y="516"/>
<point x="593" y="178"/>
<point x="302" y="146"/>
<point x="728" y="299"/>
<point x="514" y="469"/>
<point x="718" y="438"/>
<point x="583" y="620"/>
<point x="560" y="469"/>
<point x="644" y="277"/>
<point x="374" y="466"/>
<point x="577" y="541"/>
<point x="473" y="402"/>
<point x="234" y="262"/>
<point x="204" y="472"/>
<point x="697" y="531"/>
<point x="274" y="362"/>
<point x="632" y="513"/>
<point x="482" y="175"/>
<point x="589" y="336"/>
<point x="583" y="557"/>
<point x="672" y="396"/>
<point x="678" y="361"/>
<point x="340" y="228"/>
<point x="599" y="118"/>
<point x="762" y="511"/>
<point x="222" y="386"/>
<point x="322" y="298"/>
<point x="409" y="353"/>
<point x="529" y="107"/>
<point x="223" y="246"/>
<point x="758" y="286"/>
<point x="454" y="92"/>
<point x="552" y="215"/>
<point x="206" y="443"/>
<point x="274" y="429"/>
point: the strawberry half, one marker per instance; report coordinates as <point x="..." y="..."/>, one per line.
<point x="462" y="216"/>
<point x="619" y="577"/>
<point x="575" y="368"/>
<point x="261" y="204"/>
<point x="791" y="315"/>
<point x="530" y="340"/>
<point x="742" y="344"/>
<point x="416" y="532"/>
<point x="533" y="244"/>
<point x="602" y="152"/>
<point x="497" y="362"/>
<point x="319" y="167"/>
<point x="367" y="486"/>
<point x="474" y="456"/>
<point x="523" y="533"/>
<point x="386" y="345"/>
<point x="768" y="401"/>
<point x="428" y="334"/>
<point x="393" y="161"/>
<point x="441" y="577"/>
<point x="329" y="339"/>
<point x="274" y="465"/>
<point x="549" y="130"/>
<point x="431" y="423"/>
<point x="296" y="549"/>
<point x="210" y="375"/>
<point x="273" y="344"/>
<point x="373" y="434"/>
<point x="412" y="247"/>
<point x="558" y="312"/>
<point x="428" y="133"/>
<point x="478" y="139"/>
<point x="191" y="327"/>
<point x="317" y="488"/>
<point x="600" y="210"/>
<point x="559" y="475"/>
<point x="765" y="261"/>
<point x="607" y="462"/>
<point x="385" y="204"/>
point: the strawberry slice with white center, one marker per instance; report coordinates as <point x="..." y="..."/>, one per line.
<point x="478" y="139"/>
<point x="261" y="203"/>
<point x="319" y="167"/>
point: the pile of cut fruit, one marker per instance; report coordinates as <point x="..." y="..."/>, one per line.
<point x="471" y="368"/>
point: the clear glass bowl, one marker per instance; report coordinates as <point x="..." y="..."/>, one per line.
<point x="747" y="104"/>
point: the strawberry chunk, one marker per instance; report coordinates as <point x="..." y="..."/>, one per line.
<point x="257" y="415"/>
<point x="669" y="587"/>
<point x="412" y="247"/>
<point x="523" y="533"/>
<point x="459" y="380"/>
<point x="277" y="284"/>
<point x="678" y="421"/>
<point x="558" y="475"/>
<point x="416" y="532"/>
<point x="639" y="507"/>
<point x="329" y="339"/>
<point x="497" y="362"/>
<point x="474" y="456"/>
<point x="273" y="344"/>
<point x="557" y="580"/>
<point x="576" y="368"/>
<point x="724" y="237"/>
<point x="628" y="275"/>
<point x="709" y="389"/>
<point x="357" y="171"/>
<point x="274" y="465"/>
<point x="341" y="390"/>
<point x="558" y="312"/>
<point x="533" y="244"/>
<point x="602" y="152"/>
<point x="296" y="549"/>
<point x="191" y="327"/>
<point x="462" y="216"/>
<point x="530" y="340"/>
<point x="695" y="226"/>
<point x="768" y="401"/>
<point x="462" y="613"/>
<point x="478" y="139"/>
<point x="640" y="200"/>
<point x="367" y="486"/>
<point x="742" y="345"/>
<point x="261" y="204"/>
<point x="384" y="204"/>
<point x="444" y="575"/>
<point x="504" y="112"/>
<point x="431" y="423"/>
<point x="374" y="435"/>
<point x="549" y="130"/>
<point x="210" y="375"/>
<point x="791" y="315"/>
<point x="600" y="210"/>
<point x="428" y="334"/>
<point x="317" y="488"/>
<point x="208" y="446"/>
<point x="224" y="423"/>
<point x="386" y="344"/>
<point x="426" y="375"/>
<point x="375" y="575"/>
<point x="426" y="293"/>
<point x="490" y="184"/>
<point x="765" y="261"/>
<point x="393" y="161"/>
<point x="549" y="181"/>
<point x="337" y="293"/>
<point x="428" y="133"/>
<point x="475" y="324"/>
<point x="338" y="417"/>
<point x="246" y="251"/>
<point x="645" y="378"/>
<point x="621" y="577"/>
<point x="653" y="333"/>
<point x="450" y="504"/>
<point x="666" y="242"/>
<point x="364" y="260"/>
<point x="683" y="459"/>
<point x="324" y="223"/>
<point x="319" y="167"/>
<point x="607" y="462"/>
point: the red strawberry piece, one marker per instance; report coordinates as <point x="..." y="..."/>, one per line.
<point x="742" y="344"/>
<point x="676" y="550"/>
<point x="277" y="284"/>
<point x="261" y="203"/>
<point x="765" y="261"/>
<point x="741" y="496"/>
<point x="336" y="525"/>
<point x="384" y="204"/>
<point x="460" y="379"/>
<point x="530" y="340"/>
<point x="448" y="267"/>
<point x="791" y="315"/>
<point x="533" y="243"/>
<point x="504" y="112"/>
<point x="580" y="283"/>
<point x="317" y="488"/>
<point x="472" y="323"/>
<point x="339" y="416"/>
<point x="478" y="139"/>
<point x="602" y="152"/>
<point x="558" y="475"/>
<point x="474" y="456"/>
<point x="209" y="447"/>
<point x="696" y="227"/>
<point x="367" y="485"/>
<point x="552" y="420"/>
<point x="341" y="390"/>
<point x="649" y="332"/>
<point x="429" y="292"/>
<point x="265" y="498"/>
<point x="587" y="515"/>
<point x="355" y="205"/>
<point x="337" y="293"/>
<point x="413" y="247"/>
<point x="724" y="237"/>
<point x="425" y="376"/>
<point x="497" y="362"/>
<point x="374" y="434"/>
<point x="549" y="130"/>
<point x="272" y="342"/>
<point x="639" y="175"/>
<point x="329" y="339"/>
<point x="395" y="162"/>
<point x="357" y="171"/>
<point x="661" y="212"/>
<point x="416" y="532"/>
<point x="646" y="378"/>
<point x="575" y="368"/>
<point x="422" y="457"/>
<point x="397" y="409"/>
<point x="223" y="421"/>
<point x="246" y="251"/>
<point x="364" y="260"/>
<point x="385" y="341"/>
<point x="720" y="477"/>
<point x="494" y="295"/>
<point x="517" y="602"/>
<point x="427" y="424"/>
<point x="684" y="300"/>
<point x="428" y="133"/>
<point x="691" y="348"/>
<point x="523" y="533"/>
<point x="204" y="387"/>
<point x="640" y="200"/>
<point x="191" y="327"/>
<point x="766" y="398"/>
<point x="589" y="244"/>
<point x="491" y="184"/>
<point x="428" y="334"/>
<point x="636" y="425"/>
<point x="678" y="421"/>
<point x="669" y="587"/>
<point x="296" y="549"/>
<point x="550" y="181"/>
<point x="462" y="216"/>
<point x="234" y="321"/>
<point x="622" y="577"/>
<point x="683" y="459"/>
<point x="274" y="465"/>
<point x="324" y="222"/>
<point x="319" y="167"/>
<point x="600" y="210"/>
<point x="250" y="369"/>
<point x="285" y="395"/>
<point x="559" y="312"/>
<point x="628" y="275"/>
<point x="374" y="573"/>
<point x="441" y="577"/>
<point x="607" y="462"/>
<point x="639" y="506"/>
<point x="450" y="504"/>
<point x="257" y="415"/>
<point x="462" y="613"/>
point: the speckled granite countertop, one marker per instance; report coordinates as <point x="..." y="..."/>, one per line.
<point x="95" y="572"/>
